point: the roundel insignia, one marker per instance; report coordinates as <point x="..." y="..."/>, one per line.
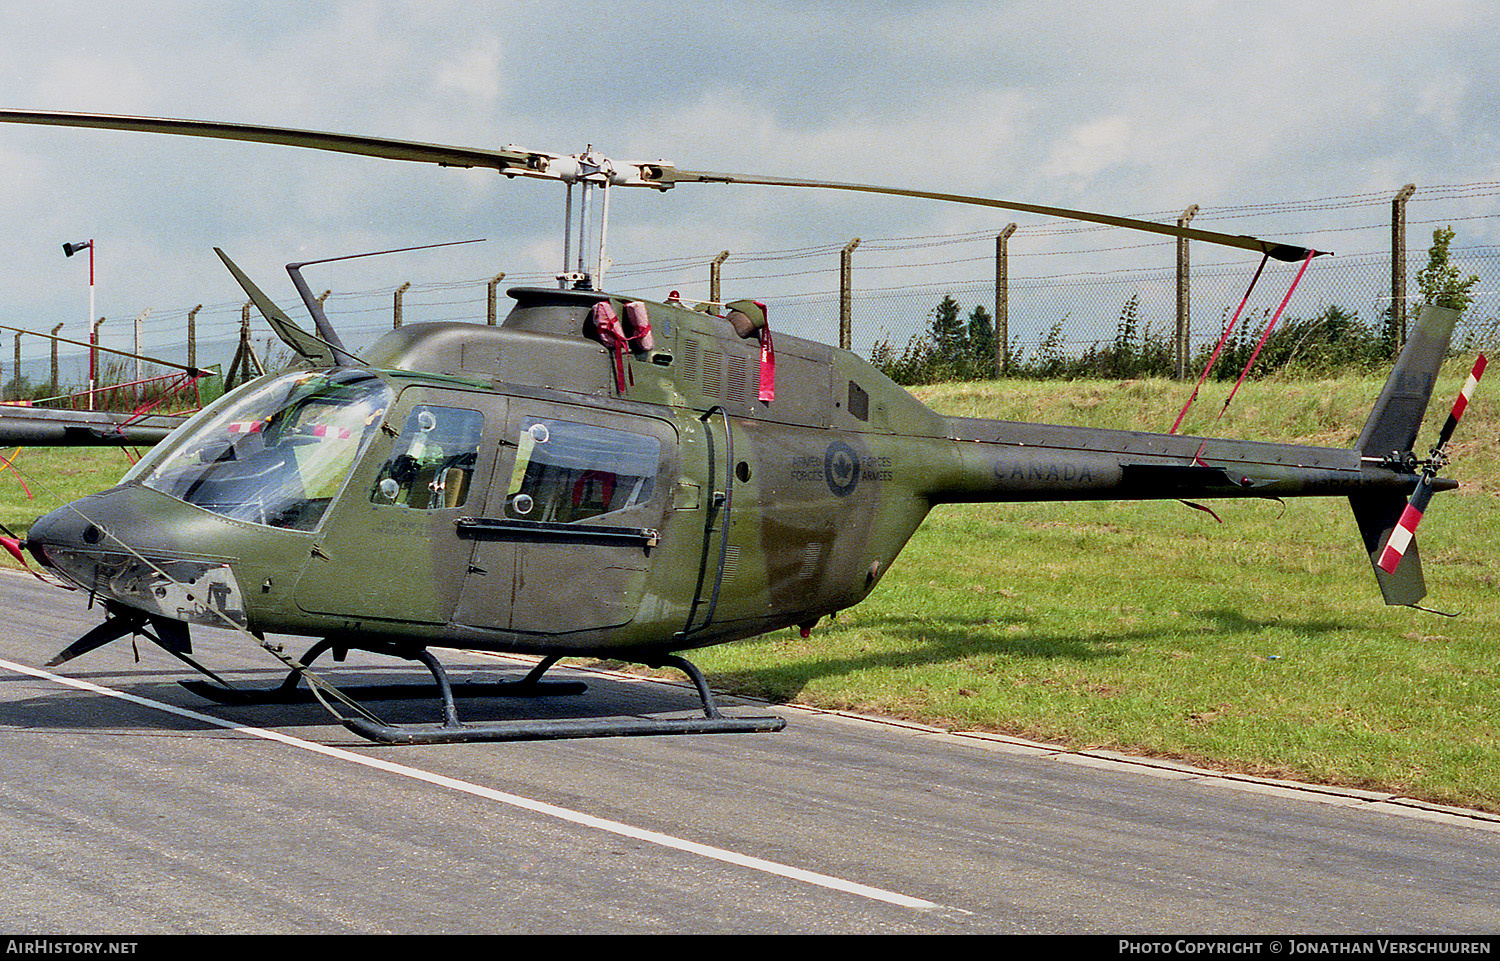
<point x="841" y="468"/>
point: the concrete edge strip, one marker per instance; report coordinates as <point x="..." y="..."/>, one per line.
<point x="1385" y="802"/>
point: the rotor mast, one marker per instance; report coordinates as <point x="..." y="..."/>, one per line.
<point x="593" y="171"/>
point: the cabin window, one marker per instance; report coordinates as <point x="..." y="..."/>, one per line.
<point x="432" y="463"/>
<point x="569" y="472"/>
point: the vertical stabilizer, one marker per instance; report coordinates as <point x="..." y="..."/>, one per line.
<point x="1392" y="430"/>
<point x="1398" y="412"/>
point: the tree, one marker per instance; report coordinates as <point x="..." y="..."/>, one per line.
<point x="1441" y="282"/>
<point x="950" y="335"/>
<point x="981" y="343"/>
<point x="954" y="347"/>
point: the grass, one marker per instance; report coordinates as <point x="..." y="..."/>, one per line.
<point x="52" y="476"/>
<point x="1257" y="645"/>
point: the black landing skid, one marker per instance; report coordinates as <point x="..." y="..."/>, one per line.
<point x="453" y="731"/>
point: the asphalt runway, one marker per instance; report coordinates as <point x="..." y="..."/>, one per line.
<point x="132" y="806"/>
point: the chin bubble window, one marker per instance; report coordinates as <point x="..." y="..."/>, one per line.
<point x="432" y="463"/>
<point x="569" y="472"/>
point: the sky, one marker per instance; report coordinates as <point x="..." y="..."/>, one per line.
<point x="1133" y="108"/>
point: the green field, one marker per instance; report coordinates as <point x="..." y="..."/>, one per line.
<point x="1257" y="645"/>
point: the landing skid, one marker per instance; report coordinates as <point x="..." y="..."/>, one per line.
<point x="453" y="731"/>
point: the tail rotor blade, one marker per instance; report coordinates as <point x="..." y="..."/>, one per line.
<point x="1460" y="405"/>
<point x="1406" y="528"/>
<point x="1404" y="532"/>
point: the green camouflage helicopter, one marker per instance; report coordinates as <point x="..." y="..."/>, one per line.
<point x="606" y="476"/>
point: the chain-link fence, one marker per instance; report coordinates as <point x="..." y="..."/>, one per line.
<point x="1073" y="298"/>
<point x="1089" y="308"/>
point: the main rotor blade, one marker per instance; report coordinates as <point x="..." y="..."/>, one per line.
<point x="509" y="160"/>
<point x="1279" y="251"/>
<point x="108" y="350"/>
<point x="513" y="161"/>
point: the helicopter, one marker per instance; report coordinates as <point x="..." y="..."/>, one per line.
<point x="609" y="476"/>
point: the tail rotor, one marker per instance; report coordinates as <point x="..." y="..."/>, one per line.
<point x="1405" y="530"/>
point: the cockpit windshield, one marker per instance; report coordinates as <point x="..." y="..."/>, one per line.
<point x="277" y="455"/>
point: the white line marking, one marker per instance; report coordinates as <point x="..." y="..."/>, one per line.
<point x="514" y="800"/>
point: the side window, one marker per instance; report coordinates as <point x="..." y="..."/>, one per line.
<point x="433" y="461"/>
<point x="569" y="472"/>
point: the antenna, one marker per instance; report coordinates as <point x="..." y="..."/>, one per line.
<point x="321" y="324"/>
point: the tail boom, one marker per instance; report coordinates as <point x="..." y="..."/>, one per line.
<point x="1006" y="461"/>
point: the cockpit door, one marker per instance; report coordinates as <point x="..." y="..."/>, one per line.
<point x="567" y="540"/>
<point x="389" y="549"/>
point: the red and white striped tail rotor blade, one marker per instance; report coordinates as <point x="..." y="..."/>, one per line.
<point x="1406" y="528"/>
<point x="1405" y="531"/>
<point x="1462" y="404"/>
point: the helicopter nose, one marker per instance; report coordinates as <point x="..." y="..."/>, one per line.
<point x="73" y="540"/>
<point x="129" y="545"/>
<point x="67" y="527"/>
<point x="129" y="520"/>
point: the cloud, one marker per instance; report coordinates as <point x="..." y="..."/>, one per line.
<point x="1093" y="147"/>
<point x="474" y="74"/>
<point x="1124" y="108"/>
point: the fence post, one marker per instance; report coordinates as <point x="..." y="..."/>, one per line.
<point x="846" y="293"/>
<point x="136" y="361"/>
<point x="1398" y="263"/>
<point x="1002" y="300"/>
<point x="396" y="319"/>
<point x="94" y="358"/>
<point x="490" y="304"/>
<point x="53" y="391"/>
<point x="239" y="368"/>
<point x="713" y="276"/>
<point x="17" y="381"/>
<point x="1184" y="298"/>
<point x="193" y="336"/>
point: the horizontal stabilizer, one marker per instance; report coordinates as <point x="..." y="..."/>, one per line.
<point x="1182" y="479"/>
